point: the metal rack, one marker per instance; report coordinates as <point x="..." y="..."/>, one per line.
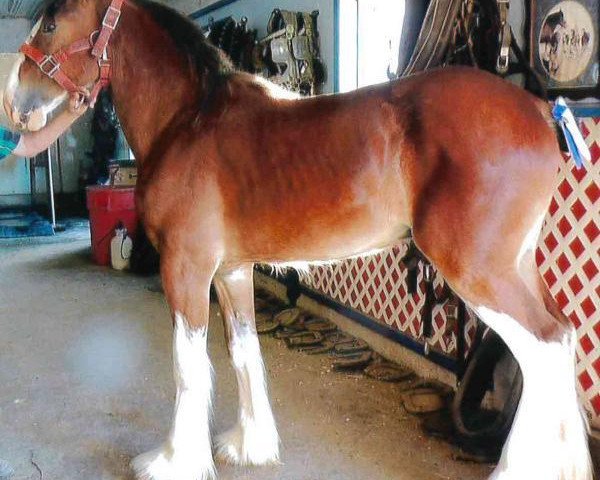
<point x="44" y="160"/>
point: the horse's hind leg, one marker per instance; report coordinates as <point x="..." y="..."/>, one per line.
<point x="548" y="439"/>
<point x="187" y="452"/>
<point x="549" y="405"/>
<point x="254" y="439"/>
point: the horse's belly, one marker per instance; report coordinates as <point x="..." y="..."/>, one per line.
<point x="341" y="245"/>
<point x="325" y="236"/>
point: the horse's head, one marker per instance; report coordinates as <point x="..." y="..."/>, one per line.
<point x="31" y="93"/>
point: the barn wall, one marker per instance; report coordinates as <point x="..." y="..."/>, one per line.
<point x="569" y="259"/>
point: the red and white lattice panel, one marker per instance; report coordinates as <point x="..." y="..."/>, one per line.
<point x="377" y="286"/>
<point x="569" y="259"/>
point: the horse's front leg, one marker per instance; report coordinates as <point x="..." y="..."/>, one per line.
<point x="187" y="452"/>
<point x="254" y="439"/>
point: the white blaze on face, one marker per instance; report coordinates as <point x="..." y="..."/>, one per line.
<point x="37" y="120"/>
<point x="55" y="103"/>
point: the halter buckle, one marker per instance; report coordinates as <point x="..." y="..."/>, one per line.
<point x="112" y="17"/>
<point x="54" y="66"/>
<point x="93" y="37"/>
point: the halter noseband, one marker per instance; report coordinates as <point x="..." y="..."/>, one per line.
<point x="50" y="65"/>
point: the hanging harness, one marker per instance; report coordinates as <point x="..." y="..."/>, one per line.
<point x="293" y="41"/>
<point x="96" y="43"/>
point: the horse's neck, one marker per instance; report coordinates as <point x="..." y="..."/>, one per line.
<point x="151" y="82"/>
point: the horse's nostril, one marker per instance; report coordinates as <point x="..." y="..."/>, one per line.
<point x="24" y="117"/>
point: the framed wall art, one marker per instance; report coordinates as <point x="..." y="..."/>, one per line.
<point x="564" y="46"/>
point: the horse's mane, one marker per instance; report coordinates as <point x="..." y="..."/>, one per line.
<point x="209" y="62"/>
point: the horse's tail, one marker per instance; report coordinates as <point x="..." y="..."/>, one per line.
<point x="546" y="110"/>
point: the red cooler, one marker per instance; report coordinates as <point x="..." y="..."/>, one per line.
<point x="108" y="207"/>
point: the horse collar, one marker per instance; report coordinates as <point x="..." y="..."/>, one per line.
<point x="96" y="43"/>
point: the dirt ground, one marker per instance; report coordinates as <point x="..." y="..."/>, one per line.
<point x="86" y="384"/>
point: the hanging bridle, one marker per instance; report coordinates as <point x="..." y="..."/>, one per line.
<point x="97" y="43"/>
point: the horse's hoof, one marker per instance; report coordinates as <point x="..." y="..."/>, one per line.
<point x="164" y="464"/>
<point x="252" y="446"/>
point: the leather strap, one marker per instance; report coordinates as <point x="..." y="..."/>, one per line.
<point x="109" y="24"/>
<point x="435" y="36"/>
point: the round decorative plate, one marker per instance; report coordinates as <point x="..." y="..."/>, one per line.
<point x="566" y="41"/>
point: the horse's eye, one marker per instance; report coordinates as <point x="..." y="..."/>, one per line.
<point x="49" y="27"/>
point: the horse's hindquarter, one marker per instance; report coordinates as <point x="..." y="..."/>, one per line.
<point x="312" y="179"/>
<point x="486" y="168"/>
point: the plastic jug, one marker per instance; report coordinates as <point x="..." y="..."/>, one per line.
<point x="120" y="249"/>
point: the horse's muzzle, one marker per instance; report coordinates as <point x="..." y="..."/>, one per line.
<point x="26" y="113"/>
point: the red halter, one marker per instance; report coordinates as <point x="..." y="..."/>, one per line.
<point x="50" y="65"/>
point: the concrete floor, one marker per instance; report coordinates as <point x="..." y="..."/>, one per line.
<point x="86" y="383"/>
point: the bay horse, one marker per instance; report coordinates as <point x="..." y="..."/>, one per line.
<point x="234" y="172"/>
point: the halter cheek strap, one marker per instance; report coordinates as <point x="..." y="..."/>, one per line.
<point x="51" y="65"/>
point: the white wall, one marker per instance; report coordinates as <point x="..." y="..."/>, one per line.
<point x="370" y="33"/>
